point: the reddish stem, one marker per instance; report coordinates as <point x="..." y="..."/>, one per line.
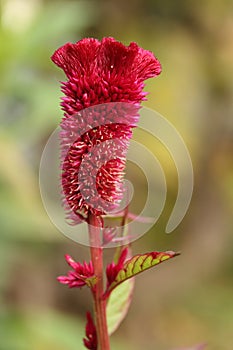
<point x="99" y="302"/>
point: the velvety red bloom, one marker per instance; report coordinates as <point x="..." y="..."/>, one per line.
<point x="113" y="269"/>
<point x="110" y="76"/>
<point x="80" y="276"/>
<point x="90" y="341"/>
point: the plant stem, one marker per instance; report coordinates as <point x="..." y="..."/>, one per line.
<point x="99" y="302"/>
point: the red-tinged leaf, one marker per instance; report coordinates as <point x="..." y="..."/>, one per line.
<point x="138" y="264"/>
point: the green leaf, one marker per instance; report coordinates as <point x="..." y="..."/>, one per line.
<point x="138" y="264"/>
<point x="118" y="304"/>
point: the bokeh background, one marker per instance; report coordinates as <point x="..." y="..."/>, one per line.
<point x="183" y="302"/>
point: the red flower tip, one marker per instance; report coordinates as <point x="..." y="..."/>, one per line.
<point x="99" y="73"/>
<point x="90" y="341"/>
<point x="108" y="58"/>
<point x="80" y="276"/>
<point x="103" y="71"/>
<point x="113" y="269"/>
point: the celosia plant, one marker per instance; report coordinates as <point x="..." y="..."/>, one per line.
<point x="101" y="73"/>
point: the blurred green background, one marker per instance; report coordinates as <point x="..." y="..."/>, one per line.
<point x="183" y="302"/>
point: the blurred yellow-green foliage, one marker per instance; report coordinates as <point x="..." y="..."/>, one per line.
<point x="186" y="301"/>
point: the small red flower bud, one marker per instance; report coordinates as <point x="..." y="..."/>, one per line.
<point x="90" y="341"/>
<point x="80" y="276"/>
<point x="113" y="269"/>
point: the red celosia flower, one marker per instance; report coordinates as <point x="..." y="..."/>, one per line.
<point x="80" y="276"/>
<point x="90" y="341"/>
<point x="99" y="73"/>
<point x="113" y="269"/>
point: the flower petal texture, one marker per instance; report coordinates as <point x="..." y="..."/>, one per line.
<point x="81" y="275"/>
<point x="109" y="76"/>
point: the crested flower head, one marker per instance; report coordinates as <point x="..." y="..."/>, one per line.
<point x="109" y="78"/>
